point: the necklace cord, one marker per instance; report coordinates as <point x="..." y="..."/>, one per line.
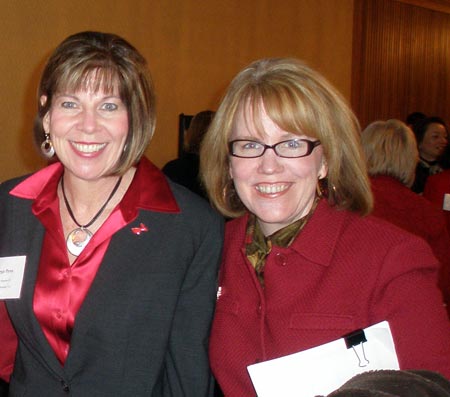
<point x="69" y="209"/>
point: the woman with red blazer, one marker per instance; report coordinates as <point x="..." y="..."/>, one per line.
<point x="303" y="262"/>
<point x="391" y="155"/>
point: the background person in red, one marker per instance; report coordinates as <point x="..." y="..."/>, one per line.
<point x="391" y="154"/>
<point x="437" y="190"/>
<point x="303" y="263"/>
<point x="432" y="140"/>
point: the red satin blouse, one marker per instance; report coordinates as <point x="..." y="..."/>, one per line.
<point x="61" y="288"/>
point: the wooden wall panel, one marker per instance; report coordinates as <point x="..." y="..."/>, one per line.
<point x="194" y="48"/>
<point x="401" y="60"/>
<point x="436" y="5"/>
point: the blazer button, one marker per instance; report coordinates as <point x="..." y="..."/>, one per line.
<point x="280" y="259"/>
<point x="65" y="386"/>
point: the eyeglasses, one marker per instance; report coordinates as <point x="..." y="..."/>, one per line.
<point x="292" y="148"/>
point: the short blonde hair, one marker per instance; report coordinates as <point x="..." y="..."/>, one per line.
<point x="390" y="149"/>
<point x="110" y="60"/>
<point x="298" y="100"/>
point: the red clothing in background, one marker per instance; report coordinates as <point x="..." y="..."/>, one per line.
<point x="8" y="341"/>
<point x="342" y="273"/>
<point x="410" y="211"/>
<point x="437" y="186"/>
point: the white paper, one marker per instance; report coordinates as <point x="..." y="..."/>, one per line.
<point x="320" y="370"/>
<point x="11" y="276"/>
<point x="446" y="203"/>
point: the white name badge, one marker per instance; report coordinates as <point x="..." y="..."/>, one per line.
<point x="11" y="276"/>
<point x="446" y="204"/>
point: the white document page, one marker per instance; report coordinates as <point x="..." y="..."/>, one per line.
<point x="320" y="370"/>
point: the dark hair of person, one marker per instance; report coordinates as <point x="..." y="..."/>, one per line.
<point x="197" y="129"/>
<point x="414" y="117"/>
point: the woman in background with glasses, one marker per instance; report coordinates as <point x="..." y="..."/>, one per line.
<point x="303" y="264"/>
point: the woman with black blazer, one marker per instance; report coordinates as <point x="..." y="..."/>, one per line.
<point x="119" y="283"/>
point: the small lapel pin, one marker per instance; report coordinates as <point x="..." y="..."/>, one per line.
<point x="140" y="229"/>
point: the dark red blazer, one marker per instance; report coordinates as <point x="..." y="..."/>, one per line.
<point x="343" y="272"/>
<point x="410" y="211"/>
<point x="436" y="188"/>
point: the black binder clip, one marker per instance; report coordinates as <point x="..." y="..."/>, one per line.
<point x="355" y="340"/>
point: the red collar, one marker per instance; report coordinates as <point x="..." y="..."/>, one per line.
<point x="317" y="240"/>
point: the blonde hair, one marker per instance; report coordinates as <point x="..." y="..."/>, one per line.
<point x="298" y="100"/>
<point x="390" y="149"/>
<point x="103" y="59"/>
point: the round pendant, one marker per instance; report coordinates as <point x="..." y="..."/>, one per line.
<point x="78" y="239"/>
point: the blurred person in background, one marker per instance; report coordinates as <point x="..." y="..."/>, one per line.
<point x="185" y="169"/>
<point x="432" y="140"/>
<point x="391" y="156"/>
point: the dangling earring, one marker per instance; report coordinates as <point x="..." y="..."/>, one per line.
<point x="322" y="187"/>
<point x="47" y="147"/>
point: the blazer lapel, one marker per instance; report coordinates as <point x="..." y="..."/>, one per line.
<point x="21" y="312"/>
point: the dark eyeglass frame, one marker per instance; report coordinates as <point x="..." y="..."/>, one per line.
<point x="311" y="145"/>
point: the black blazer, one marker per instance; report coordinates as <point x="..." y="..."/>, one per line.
<point x="3" y="388"/>
<point x="143" y="327"/>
